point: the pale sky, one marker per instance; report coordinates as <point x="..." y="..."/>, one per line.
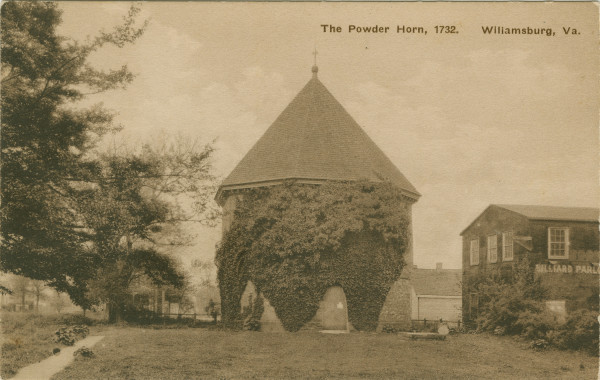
<point x="470" y="119"/>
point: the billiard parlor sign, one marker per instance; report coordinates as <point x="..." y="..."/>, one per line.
<point x="566" y="268"/>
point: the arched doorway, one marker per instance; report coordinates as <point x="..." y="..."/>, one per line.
<point x="334" y="309"/>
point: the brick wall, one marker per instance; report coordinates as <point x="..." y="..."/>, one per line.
<point x="579" y="290"/>
<point x="397" y="308"/>
<point x="396" y="311"/>
<point x="269" y="322"/>
<point x="228" y="209"/>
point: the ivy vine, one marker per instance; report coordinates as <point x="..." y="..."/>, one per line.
<point x="294" y="241"/>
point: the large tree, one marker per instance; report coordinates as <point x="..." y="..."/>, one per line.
<point x="134" y="209"/>
<point x="44" y="142"/>
<point x="71" y="215"/>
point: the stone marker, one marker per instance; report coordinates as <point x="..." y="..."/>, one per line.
<point x="428" y="336"/>
<point x="443" y="330"/>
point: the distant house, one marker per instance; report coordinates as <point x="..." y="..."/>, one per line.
<point x="560" y="242"/>
<point x="22" y="294"/>
<point x="436" y="294"/>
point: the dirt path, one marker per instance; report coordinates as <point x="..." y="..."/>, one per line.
<point x="48" y="367"/>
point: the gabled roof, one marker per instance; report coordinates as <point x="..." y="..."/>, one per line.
<point x="315" y="139"/>
<point x="432" y="282"/>
<point x="575" y="214"/>
<point x="555" y="213"/>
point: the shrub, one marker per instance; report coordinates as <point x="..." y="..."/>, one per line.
<point x="504" y="298"/>
<point x="141" y="316"/>
<point x="539" y="344"/>
<point x="513" y="305"/>
<point x="536" y="325"/>
<point x="499" y="330"/>
<point x="85" y="352"/>
<point x="251" y="324"/>
<point x="64" y="336"/>
<point x="579" y="332"/>
<point x="29" y="338"/>
<point x="253" y="313"/>
<point x="68" y="335"/>
<point x="505" y="312"/>
<point x="80" y="330"/>
<point x="390" y="329"/>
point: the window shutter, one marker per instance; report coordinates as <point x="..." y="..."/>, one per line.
<point x="549" y="241"/>
<point x="567" y="243"/>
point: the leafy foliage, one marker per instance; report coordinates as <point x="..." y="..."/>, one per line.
<point x="503" y="296"/>
<point x="44" y="142"/>
<point x="514" y="305"/>
<point x="69" y="334"/>
<point x="88" y="223"/>
<point x="84" y="352"/>
<point x="579" y="332"/>
<point x="132" y="211"/>
<point x="252" y="313"/>
<point x="28" y="338"/>
<point x="294" y="241"/>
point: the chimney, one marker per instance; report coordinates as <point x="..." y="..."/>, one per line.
<point x="438" y="266"/>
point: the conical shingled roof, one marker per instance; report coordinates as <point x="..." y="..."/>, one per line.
<point x="315" y="139"/>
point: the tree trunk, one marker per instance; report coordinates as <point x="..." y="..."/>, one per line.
<point x="156" y="300"/>
<point x="115" y="312"/>
<point x="111" y="313"/>
<point x="119" y="318"/>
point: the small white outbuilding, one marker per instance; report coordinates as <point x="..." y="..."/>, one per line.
<point x="436" y="294"/>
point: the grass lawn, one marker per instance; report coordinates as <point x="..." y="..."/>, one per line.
<point x="27" y="338"/>
<point x="136" y="353"/>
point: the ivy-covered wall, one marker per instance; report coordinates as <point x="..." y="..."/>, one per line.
<point x="294" y="241"/>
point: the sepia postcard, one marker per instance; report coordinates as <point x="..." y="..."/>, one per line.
<point x="251" y="190"/>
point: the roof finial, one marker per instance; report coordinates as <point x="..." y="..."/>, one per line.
<point x="315" y="69"/>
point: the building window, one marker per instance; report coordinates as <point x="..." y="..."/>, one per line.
<point x="507" y="246"/>
<point x="492" y="248"/>
<point x="475" y="252"/>
<point x="558" y="243"/>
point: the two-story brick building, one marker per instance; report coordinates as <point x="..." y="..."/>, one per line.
<point x="561" y="244"/>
